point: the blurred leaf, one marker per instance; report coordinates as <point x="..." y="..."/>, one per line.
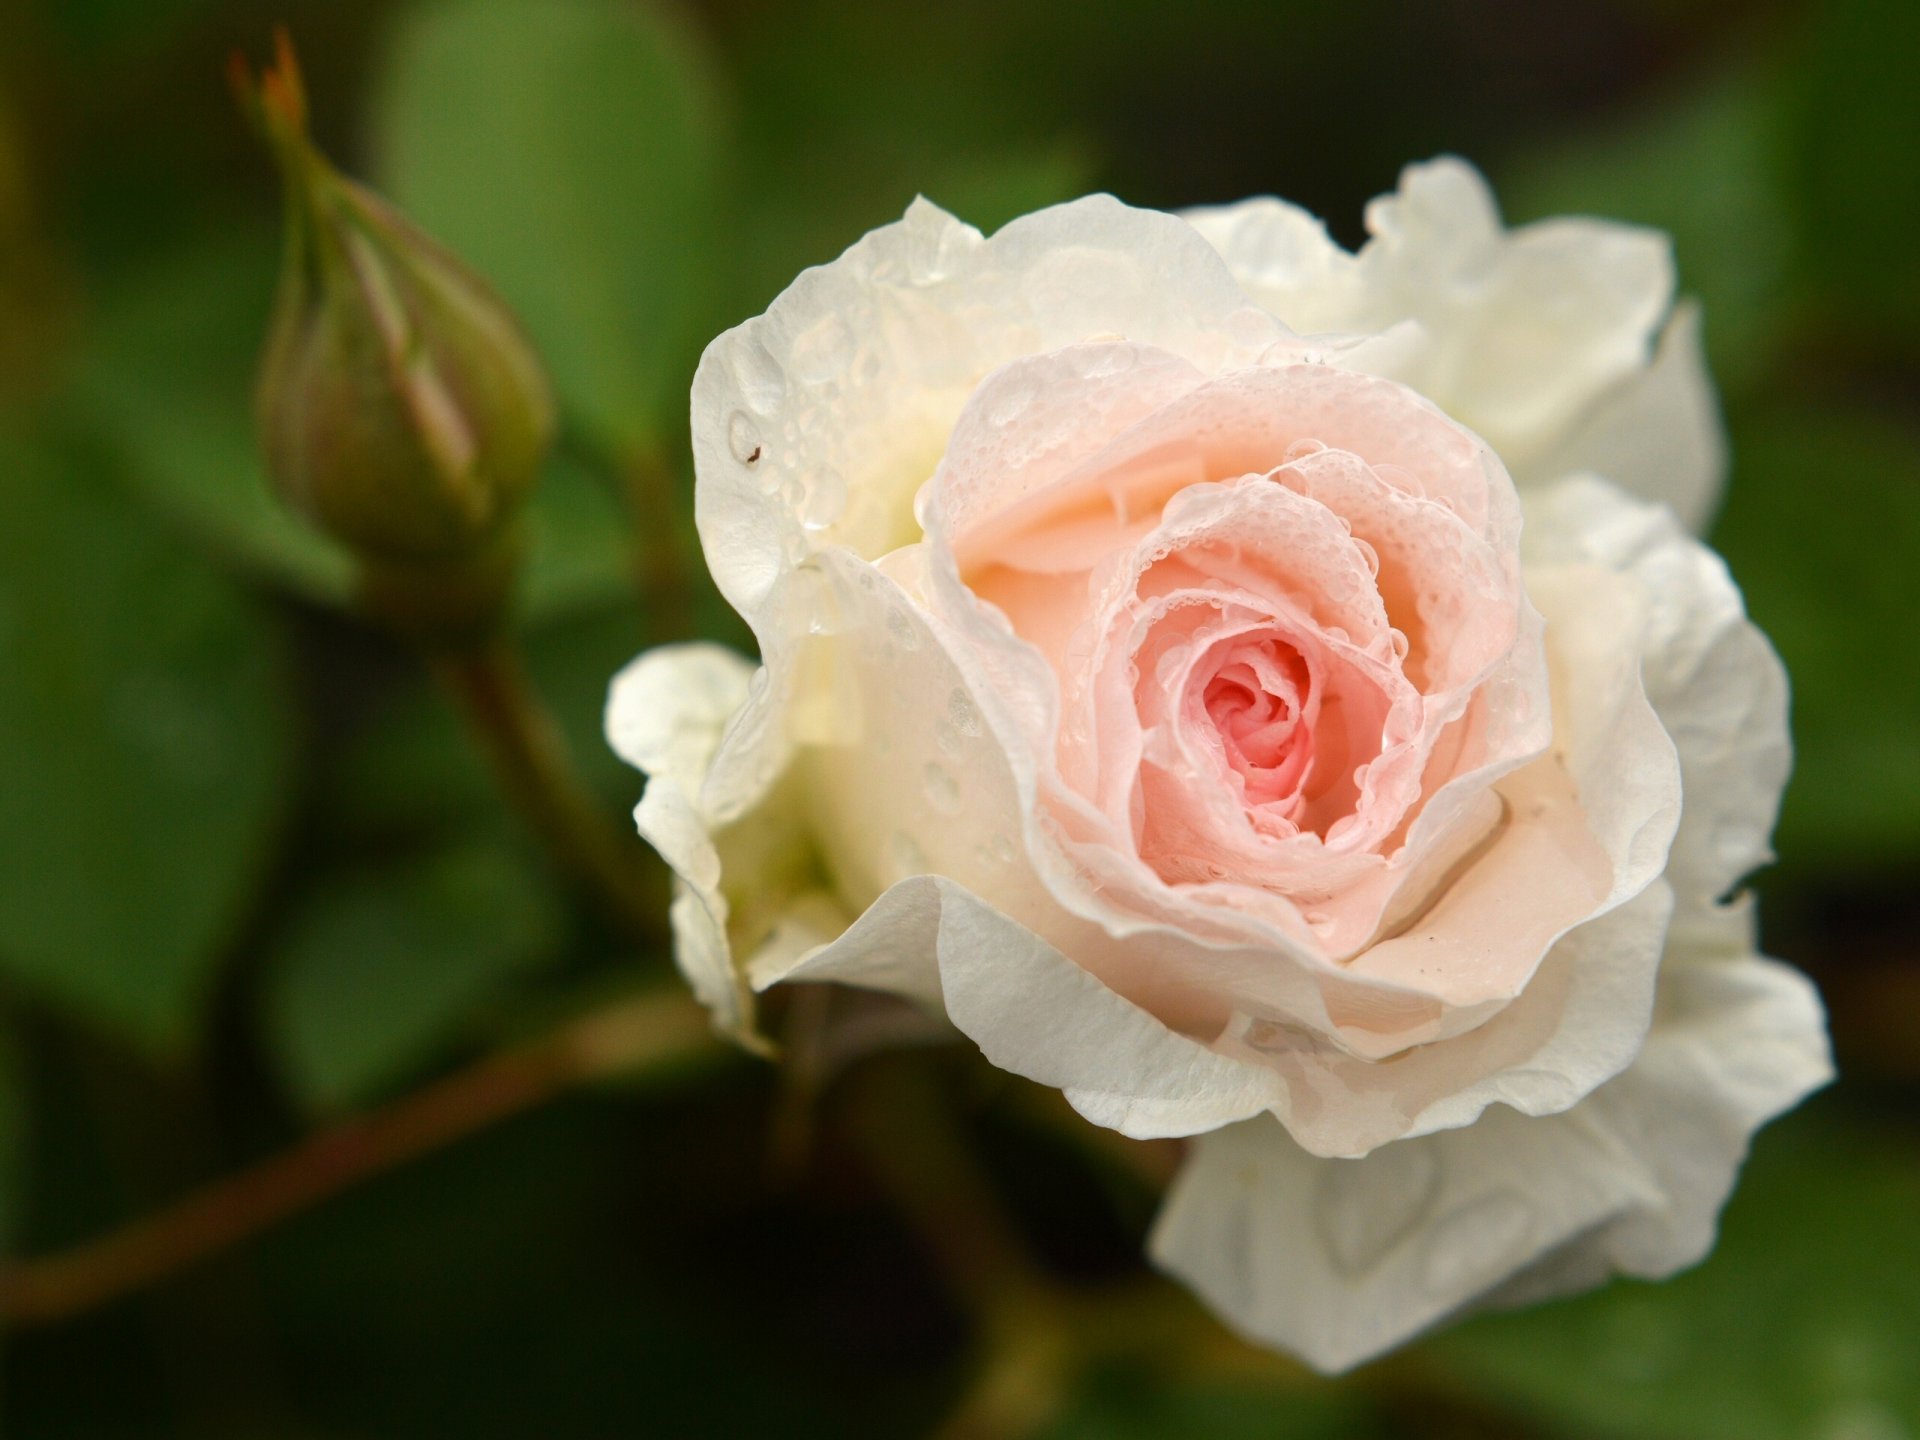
<point x="1821" y="527"/>
<point x="1128" y="1407"/>
<point x="568" y="149"/>
<point x="414" y="772"/>
<point x="1803" y="1325"/>
<point x="1702" y="165"/>
<point x="1858" y="192"/>
<point x="851" y="108"/>
<point x="144" y="748"/>
<point x="117" y="24"/>
<point x="13" y="1132"/>
<point x="166" y="378"/>
<point x="581" y="551"/>
<point x="380" y="969"/>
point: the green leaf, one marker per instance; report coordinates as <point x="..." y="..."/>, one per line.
<point x="380" y="969"/>
<point x="1119" y="1406"/>
<point x="568" y="150"/>
<point x="166" y="378"/>
<point x="1821" y="525"/>
<point x="1802" y="1325"/>
<point x="580" y="551"/>
<point x="415" y="773"/>
<point x="144" y="748"/>
<point x="1857" y="98"/>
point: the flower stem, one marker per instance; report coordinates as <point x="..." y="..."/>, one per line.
<point x="529" y="759"/>
<point x="1027" y="1360"/>
<point x="645" y="1032"/>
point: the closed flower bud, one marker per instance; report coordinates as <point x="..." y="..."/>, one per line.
<point x="401" y="408"/>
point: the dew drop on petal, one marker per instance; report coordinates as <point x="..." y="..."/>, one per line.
<point x="1362" y="1209"/>
<point x="908" y="858"/>
<point x="900" y="627"/>
<point x="942" y="790"/>
<point x="826" y="499"/>
<point x="822" y="351"/>
<point x="743" y="439"/>
<point x="961" y="713"/>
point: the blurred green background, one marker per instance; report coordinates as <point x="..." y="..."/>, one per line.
<point x="252" y="876"/>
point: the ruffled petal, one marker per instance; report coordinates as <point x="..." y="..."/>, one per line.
<point x="1530" y="326"/>
<point x="666" y="712"/>
<point x="815" y="423"/>
<point x="1658" y="434"/>
<point x="1339" y="1260"/>
<point x="1712" y="677"/>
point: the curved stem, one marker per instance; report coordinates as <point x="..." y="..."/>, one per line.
<point x="529" y="758"/>
<point x="641" y="1033"/>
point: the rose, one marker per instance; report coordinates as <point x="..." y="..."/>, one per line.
<point x="1230" y="678"/>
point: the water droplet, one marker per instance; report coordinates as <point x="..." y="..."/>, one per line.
<point x="1363" y="1208"/>
<point x="822" y="351"/>
<point x="943" y="791"/>
<point x="758" y="374"/>
<point x="947" y="738"/>
<point x="1004" y="850"/>
<point x="908" y="857"/>
<point x="743" y="439"/>
<point x="826" y="499"/>
<point x="1301" y="449"/>
<point x="900" y="627"/>
<point x="1480" y="1241"/>
<point x="961" y="713"/>
<point x="1008" y="402"/>
<point x="1092" y="361"/>
<point x="810" y="596"/>
<point x="1166" y="670"/>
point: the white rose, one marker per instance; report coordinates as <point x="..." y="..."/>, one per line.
<point x="1236" y="682"/>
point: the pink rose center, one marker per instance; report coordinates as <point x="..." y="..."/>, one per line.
<point x="1256" y="701"/>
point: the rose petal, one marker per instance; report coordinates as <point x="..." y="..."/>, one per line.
<point x="1530" y="326"/>
<point x="1658" y="434"/>
<point x="1716" y="683"/>
<point x="665" y="715"/>
<point x="814" y="424"/>
<point x="1338" y="1260"/>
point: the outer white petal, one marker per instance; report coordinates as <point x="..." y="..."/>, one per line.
<point x="1658" y="434"/>
<point x="1286" y="261"/>
<point x="665" y="714"/>
<point x="1035" y="1013"/>
<point x="1339" y="1260"/>
<point x="814" y="424"/>
<point x="1715" y="682"/>
<point x="1530" y="327"/>
<point x="1538" y="338"/>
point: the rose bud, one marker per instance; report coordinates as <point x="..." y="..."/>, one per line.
<point x="1276" y="696"/>
<point x="401" y="408"/>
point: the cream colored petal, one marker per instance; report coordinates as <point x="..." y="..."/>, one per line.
<point x="1529" y="327"/>
<point x="666" y="710"/>
<point x="1658" y="434"/>
<point x="1715" y="682"/>
<point x="1286" y="261"/>
<point x="1035" y="1013"/>
<point x="814" y="424"/>
<point x="1339" y="1260"/>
